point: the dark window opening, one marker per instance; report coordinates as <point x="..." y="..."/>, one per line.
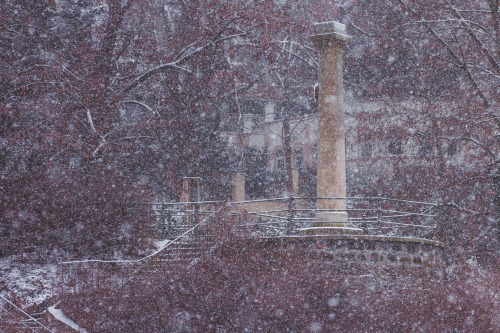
<point x="395" y="147"/>
<point x="424" y="148"/>
<point x="366" y="145"/>
<point x="299" y="158"/>
<point x="280" y="160"/>
<point x="451" y="150"/>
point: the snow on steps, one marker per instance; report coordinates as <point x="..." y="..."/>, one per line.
<point x="182" y="252"/>
<point x="77" y="277"/>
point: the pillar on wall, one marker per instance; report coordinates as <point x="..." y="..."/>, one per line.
<point x="295" y="178"/>
<point x="238" y="187"/>
<point x="190" y="189"/>
<point x="185" y="190"/>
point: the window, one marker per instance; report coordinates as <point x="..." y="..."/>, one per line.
<point x="424" y="147"/>
<point x="452" y="148"/>
<point x="280" y="160"/>
<point x="299" y="158"/>
<point x="366" y="145"/>
<point x="395" y="146"/>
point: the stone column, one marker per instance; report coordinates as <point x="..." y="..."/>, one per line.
<point x="238" y="187"/>
<point x="330" y="39"/>
<point x="186" y="192"/>
<point x="190" y="189"/>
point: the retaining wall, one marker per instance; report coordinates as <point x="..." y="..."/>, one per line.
<point x="384" y="255"/>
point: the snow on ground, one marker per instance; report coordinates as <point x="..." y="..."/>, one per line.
<point x="59" y="315"/>
<point x="161" y="244"/>
<point x="26" y="284"/>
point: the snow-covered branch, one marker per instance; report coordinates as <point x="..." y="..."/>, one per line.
<point x="90" y="120"/>
<point x="147" y="107"/>
<point x="174" y="65"/>
<point x="470" y="31"/>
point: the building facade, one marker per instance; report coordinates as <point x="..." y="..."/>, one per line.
<point x="379" y="136"/>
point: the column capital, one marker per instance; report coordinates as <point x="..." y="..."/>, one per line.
<point x="328" y="34"/>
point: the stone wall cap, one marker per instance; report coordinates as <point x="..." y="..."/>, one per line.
<point x="336" y="37"/>
<point x="329" y="27"/>
<point x="378" y="238"/>
<point x="330" y="31"/>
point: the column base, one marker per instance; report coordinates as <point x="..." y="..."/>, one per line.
<point x="331" y="219"/>
<point x="330" y="230"/>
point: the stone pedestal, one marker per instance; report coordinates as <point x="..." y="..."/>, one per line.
<point x="330" y="39"/>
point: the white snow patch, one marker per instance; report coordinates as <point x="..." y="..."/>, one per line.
<point x="26" y="283"/>
<point x="161" y="243"/>
<point x="59" y="315"/>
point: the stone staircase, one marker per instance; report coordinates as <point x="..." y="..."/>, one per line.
<point x="187" y="248"/>
<point x="183" y="251"/>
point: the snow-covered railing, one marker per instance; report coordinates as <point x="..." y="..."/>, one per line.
<point x="374" y="215"/>
<point x="173" y="218"/>
<point x="288" y="215"/>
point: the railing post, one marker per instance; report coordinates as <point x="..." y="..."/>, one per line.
<point x="364" y="224"/>
<point x="195" y="219"/>
<point x="170" y="227"/>
<point x="379" y="216"/>
<point x="196" y="213"/>
<point x="291" y="214"/>
<point x="434" y="232"/>
<point x="161" y="228"/>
